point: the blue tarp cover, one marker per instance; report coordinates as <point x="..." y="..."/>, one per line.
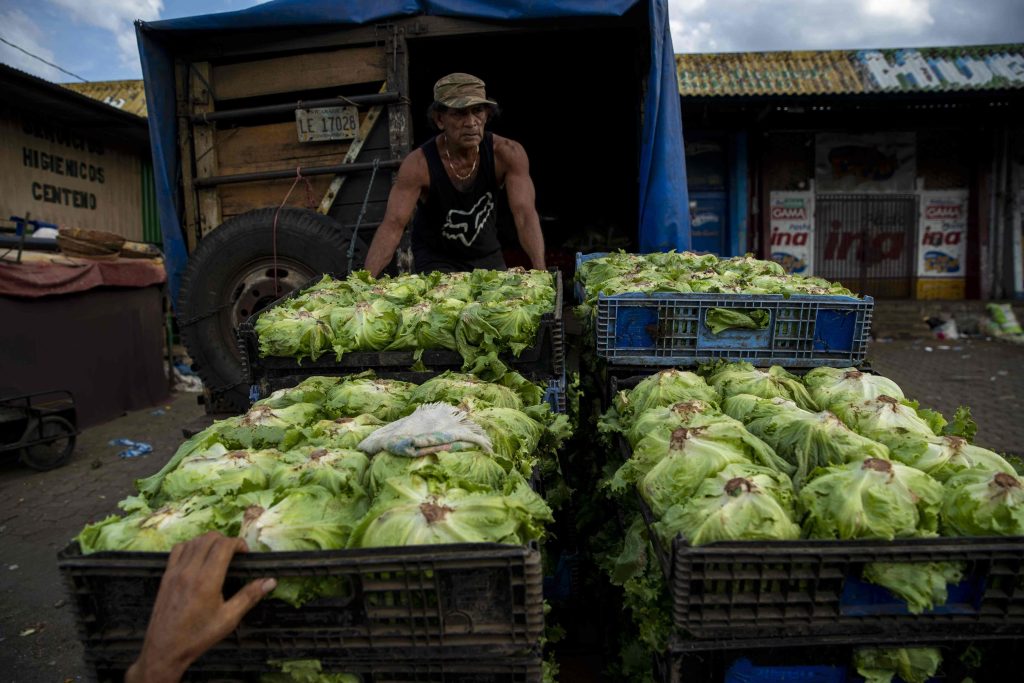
<point x="664" y="220"/>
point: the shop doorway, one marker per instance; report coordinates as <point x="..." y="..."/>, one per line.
<point x="867" y="241"/>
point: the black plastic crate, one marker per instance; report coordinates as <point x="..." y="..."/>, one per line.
<point x="822" y="660"/>
<point x="482" y="670"/>
<point x="761" y="589"/>
<point x="428" y="602"/>
<point x="757" y="589"/>
<point x="543" y="360"/>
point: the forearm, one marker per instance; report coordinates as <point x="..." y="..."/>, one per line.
<point x="531" y="238"/>
<point x="145" y="671"/>
<point x="382" y="248"/>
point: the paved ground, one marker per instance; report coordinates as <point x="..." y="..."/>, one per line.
<point x="41" y="512"/>
<point x="987" y="376"/>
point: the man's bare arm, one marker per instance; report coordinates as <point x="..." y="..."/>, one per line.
<point x="522" y="200"/>
<point x="413" y="179"/>
<point x="190" y="614"/>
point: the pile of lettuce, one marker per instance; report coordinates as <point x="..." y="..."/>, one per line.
<point x="733" y="453"/>
<point x="478" y="314"/>
<point x="290" y="474"/>
<point x="621" y="273"/>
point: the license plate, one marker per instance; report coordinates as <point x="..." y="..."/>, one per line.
<point x="326" y="123"/>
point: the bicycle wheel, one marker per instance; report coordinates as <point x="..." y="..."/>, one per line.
<point x="56" y="450"/>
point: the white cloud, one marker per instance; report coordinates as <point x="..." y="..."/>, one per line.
<point x="763" y="25"/>
<point x="18" y="28"/>
<point x="116" y="16"/>
<point x="914" y="14"/>
<point x="693" y="36"/>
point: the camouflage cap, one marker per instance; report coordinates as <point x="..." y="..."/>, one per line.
<point x="458" y="91"/>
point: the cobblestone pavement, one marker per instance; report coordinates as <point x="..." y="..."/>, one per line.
<point x="39" y="514"/>
<point x="988" y="376"/>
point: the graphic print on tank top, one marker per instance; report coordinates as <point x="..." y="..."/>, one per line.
<point x="465" y="226"/>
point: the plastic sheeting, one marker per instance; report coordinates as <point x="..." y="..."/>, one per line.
<point x="664" y="220"/>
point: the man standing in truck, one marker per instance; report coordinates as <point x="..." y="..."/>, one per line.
<point x="455" y="178"/>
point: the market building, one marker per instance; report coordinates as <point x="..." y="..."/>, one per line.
<point x="898" y="172"/>
<point x="74" y="160"/>
<point x="76" y="156"/>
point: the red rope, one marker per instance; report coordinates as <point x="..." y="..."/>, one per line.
<point x="309" y="203"/>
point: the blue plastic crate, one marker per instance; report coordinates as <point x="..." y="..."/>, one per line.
<point x="745" y="671"/>
<point x="669" y="328"/>
<point x="580" y="260"/>
<point x="555" y="394"/>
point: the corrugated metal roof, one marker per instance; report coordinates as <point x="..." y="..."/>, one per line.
<point x="845" y="72"/>
<point x="129" y="96"/>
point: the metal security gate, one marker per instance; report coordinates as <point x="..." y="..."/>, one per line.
<point x="866" y="241"/>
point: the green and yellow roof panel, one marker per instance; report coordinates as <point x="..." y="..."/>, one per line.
<point x="851" y="72"/>
<point x="129" y="96"/>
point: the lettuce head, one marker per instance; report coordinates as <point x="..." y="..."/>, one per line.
<point x="806" y="440"/>
<point x="310" y="390"/>
<point x="340" y="471"/>
<point x="667" y="418"/>
<point x="365" y="326"/>
<point x="729" y="379"/>
<point x="341" y="432"/>
<point x="668" y="467"/>
<point x="454" y="388"/>
<point x="872" y="498"/>
<point x="147" y="529"/>
<point x="910" y="664"/>
<point x="742" y="502"/>
<point x="838" y="386"/>
<point x="665" y="388"/>
<point x="223" y="474"/>
<point x="944" y="456"/>
<point x="413" y="510"/>
<point x="922" y="585"/>
<point x="981" y="502"/>
<point x="295" y="333"/>
<point x="365" y="394"/>
<point x="884" y="418"/>
<point x="310" y="518"/>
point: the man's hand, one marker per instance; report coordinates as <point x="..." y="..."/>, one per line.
<point x="190" y="614"/>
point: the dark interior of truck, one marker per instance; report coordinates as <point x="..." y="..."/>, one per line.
<point x="571" y="96"/>
<point x="569" y="89"/>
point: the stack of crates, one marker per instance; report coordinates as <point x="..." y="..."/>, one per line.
<point x="789" y="610"/>
<point x="458" y="613"/>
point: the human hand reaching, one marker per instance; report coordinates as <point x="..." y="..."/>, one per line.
<point x="190" y="614"/>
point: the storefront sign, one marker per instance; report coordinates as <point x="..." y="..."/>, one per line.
<point x="882" y="162"/>
<point x="792" y="230"/>
<point x="942" y="234"/>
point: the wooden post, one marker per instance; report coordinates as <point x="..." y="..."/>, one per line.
<point x="399" y="131"/>
<point x="190" y="219"/>
<point x="202" y="101"/>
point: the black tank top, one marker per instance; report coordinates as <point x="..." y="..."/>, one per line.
<point x="457" y="230"/>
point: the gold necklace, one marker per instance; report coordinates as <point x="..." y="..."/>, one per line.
<point x="452" y="166"/>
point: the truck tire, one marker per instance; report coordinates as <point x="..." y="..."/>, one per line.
<point x="230" y="276"/>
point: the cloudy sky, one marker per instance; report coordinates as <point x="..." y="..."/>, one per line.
<point x="95" y="39"/>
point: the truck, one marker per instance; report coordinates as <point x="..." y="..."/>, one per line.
<point x="276" y="133"/>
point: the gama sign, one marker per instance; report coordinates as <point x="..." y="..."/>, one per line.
<point x="942" y="234"/>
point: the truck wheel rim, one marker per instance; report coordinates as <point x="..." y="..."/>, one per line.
<point x="252" y="290"/>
